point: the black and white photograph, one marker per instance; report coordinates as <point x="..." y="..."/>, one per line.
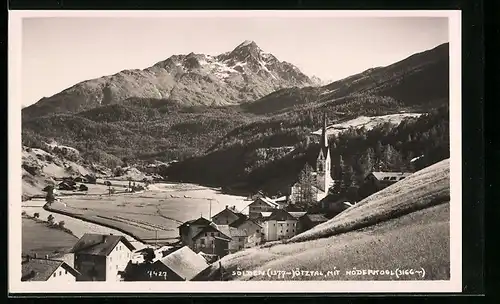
<point x="177" y="151"/>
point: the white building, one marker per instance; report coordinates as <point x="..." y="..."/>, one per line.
<point x="279" y="225"/>
<point x="56" y="271"/>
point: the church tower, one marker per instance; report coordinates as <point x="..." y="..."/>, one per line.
<point x="323" y="163"/>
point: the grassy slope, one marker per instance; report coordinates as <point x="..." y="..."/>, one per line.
<point x="427" y="187"/>
<point x="40" y="239"/>
<point x="413" y="240"/>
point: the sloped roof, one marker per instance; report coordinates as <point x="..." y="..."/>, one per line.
<point x="99" y="244"/>
<point x="297" y="214"/>
<point x="231" y="231"/>
<point x="280" y="215"/>
<point x="185" y="263"/>
<point x="381" y="175"/>
<point x="211" y="228"/>
<point x="265" y="214"/>
<point x="198" y="221"/>
<point x="243" y="220"/>
<point x="41" y="269"/>
<point x="234" y="211"/>
<point x="316" y="218"/>
<point x="268" y="201"/>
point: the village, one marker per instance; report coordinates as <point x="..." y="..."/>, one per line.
<point x="202" y="241"/>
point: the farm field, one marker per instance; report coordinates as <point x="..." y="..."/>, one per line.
<point x="153" y="215"/>
<point x="42" y="240"/>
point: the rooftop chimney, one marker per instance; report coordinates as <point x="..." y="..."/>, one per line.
<point x="227" y="206"/>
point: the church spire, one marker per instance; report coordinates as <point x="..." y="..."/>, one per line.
<point x="324" y="136"/>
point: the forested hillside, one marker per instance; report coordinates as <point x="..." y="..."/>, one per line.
<point x="254" y="160"/>
<point x="265" y="143"/>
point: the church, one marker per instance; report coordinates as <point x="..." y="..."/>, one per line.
<point x="322" y="175"/>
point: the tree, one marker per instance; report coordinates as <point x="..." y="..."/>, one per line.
<point x="50" y="219"/>
<point x="149" y="255"/>
<point x="392" y="159"/>
<point x="61" y="224"/>
<point x="108" y="183"/>
<point x="50" y="197"/>
<point x="379" y="150"/>
<point x="349" y="179"/>
<point x="36" y="215"/>
<point x="367" y="161"/>
<point x="307" y="190"/>
<point x="129" y="183"/>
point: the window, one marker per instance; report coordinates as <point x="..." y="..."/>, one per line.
<point x="257" y="231"/>
<point x="60" y="272"/>
<point x="202" y="241"/>
<point x="65" y="272"/>
<point x="386" y="178"/>
<point x="54" y="275"/>
<point x="393" y="178"/>
<point x="401" y="178"/>
<point x="293" y="230"/>
<point x="212" y="234"/>
<point x="287" y="224"/>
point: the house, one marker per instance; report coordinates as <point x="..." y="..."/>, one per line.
<point x="279" y="225"/>
<point x="211" y="240"/>
<point x="191" y="228"/>
<point x="66" y="186"/>
<point x="180" y="265"/>
<point x="100" y="257"/>
<point x="227" y="216"/>
<point x="308" y="221"/>
<point x="80" y="179"/>
<point x="379" y="180"/>
<point x="238" y="237"/>
<point x="333" y="205"/>
<point x="39" y="269"/>
<point x="261" y="204"/>
<point x="252" y="229"/>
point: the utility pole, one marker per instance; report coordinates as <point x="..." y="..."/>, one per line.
<point x="156" y="238"/>
<point x="210" y="212"/>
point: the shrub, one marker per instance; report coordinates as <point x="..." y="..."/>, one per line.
<point x="36" y="215"/>
<point x="61" y="224"/>
<point x="50" y="218"/>
<point x="23" y="213"/>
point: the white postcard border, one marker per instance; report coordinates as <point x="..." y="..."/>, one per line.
<point x="14" y="187"/>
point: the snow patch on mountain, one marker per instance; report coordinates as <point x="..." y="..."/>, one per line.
<point x="368" y="122"/>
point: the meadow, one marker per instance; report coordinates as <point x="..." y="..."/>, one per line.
<point x="152" y="216"/>
<point x="38" y="238"/>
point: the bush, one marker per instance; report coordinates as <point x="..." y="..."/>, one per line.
<point x="50" y="218"/>
<point x="23" y="213"/>
<point x="61" y="224"/>
<point x="36" y="215"/>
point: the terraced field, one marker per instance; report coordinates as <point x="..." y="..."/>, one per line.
<point x="153" y="215"/>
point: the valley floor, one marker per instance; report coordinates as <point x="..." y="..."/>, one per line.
<point x="152" y="216"/>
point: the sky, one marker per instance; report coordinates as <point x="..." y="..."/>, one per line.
<point x="59" y="52"/>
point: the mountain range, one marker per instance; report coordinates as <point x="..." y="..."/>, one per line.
<point x="205" y="109"/>
<point x="244" y="74"/>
